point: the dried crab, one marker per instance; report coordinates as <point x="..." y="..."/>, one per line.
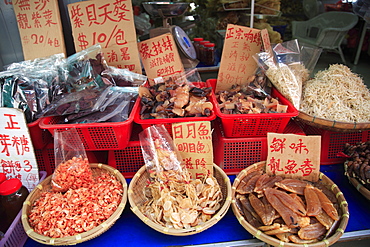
<point x="170" y="100"/>
<point x="290" y="209"/>
<point x="250" y="98"/>
<point x="176" y="201"/>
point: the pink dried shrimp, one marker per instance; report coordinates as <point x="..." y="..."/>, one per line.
<point x="58" y="215"/>
<point x="72" y="174"/>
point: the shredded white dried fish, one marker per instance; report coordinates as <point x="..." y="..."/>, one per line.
<point x="337" y="94"/>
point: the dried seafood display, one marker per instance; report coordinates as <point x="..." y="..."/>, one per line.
<point x="176" y="201"/>
<point x="357" y="165"/>
<point x="170" y="100"/>
<point x="292" y="210"/>
<point x="249" y="98"/>
<point x="337" y="94"/>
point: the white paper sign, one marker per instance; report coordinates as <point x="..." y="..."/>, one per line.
<point x="17" y="157"/>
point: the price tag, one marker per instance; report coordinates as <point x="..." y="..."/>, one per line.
<point x="110" y="23"/>
<point x="17" y="157"/>
<point x="160" y="57"/>
<point x="194" y="142"/>
<point x="237" y="63"/>
<point x="40" y="28"/>
<point x="293" y="156"/>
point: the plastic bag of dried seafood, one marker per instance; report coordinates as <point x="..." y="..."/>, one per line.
<point x="72" y="166"/>
<point x="288" y="67"/>
<point x="159" y="151"/>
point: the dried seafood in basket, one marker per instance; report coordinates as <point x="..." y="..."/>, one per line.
<point x="337" y="94"/>
<point x="357" y="165"/>
<point x="288" y="211"/>
<point x="69" y="205"/>
<point x="171" y="199"/>
<point x="175" y="98"/>
<point x="249" y="98"/>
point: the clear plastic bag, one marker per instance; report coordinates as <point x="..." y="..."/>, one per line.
<point x="123" y="77"/>
<point x="72" y="166"/>
<point x="159" y="151"/>
<point x="286" y="68"/>
<point x="84" y="69"/>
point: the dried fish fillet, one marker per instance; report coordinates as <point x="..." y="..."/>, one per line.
<point x="243" y="183"/>
<point x="312" y="232"/>
<point x="266" y="181"/>
<point x="292" y="185"/>
<point x="288" y="201"/>
<point x="290" y="218"/>
<point x="312" y="201"/>
<point x="327" y="205"/>
<point x="298" y="240"/>
<point x="325" y="219"/>
<point x="263" y="211"/>
<point x="282" y="229"/>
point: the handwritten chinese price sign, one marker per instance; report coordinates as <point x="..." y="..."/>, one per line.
<point x="160" y="57"/>
<point x="110" y="23"/>
<point x="293" y="156"/>
<point x="194" y="142"/>
<point x="40" y="28"/>
<point x="237" y="63"/>
<point x="17" y="158"/>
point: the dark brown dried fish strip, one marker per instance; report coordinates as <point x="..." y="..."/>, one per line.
<point x="312" y="232"/>
<point x="312" y="201"/>
<point x="292" y="185"/>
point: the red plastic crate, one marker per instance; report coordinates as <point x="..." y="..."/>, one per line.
<point x="254" y="125"/>
<point x="235" y="154"/>
<point x="129" y="160"/>
<point x="97" y="136"/>
<point x="39" y="137"/>
<point x="167" y="122"/>
<point x="332" y="142"/>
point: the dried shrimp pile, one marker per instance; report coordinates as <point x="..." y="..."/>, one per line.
<point x="337" y="94"/>
<point x="57" y="215"/>
<point x="292" y="210"/>
<point x="176" y="201"/>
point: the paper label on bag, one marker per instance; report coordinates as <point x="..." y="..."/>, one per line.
<point x="194" y="142"/>
<point x="237" y="64"/>
<point x="111" y="24"/>
<point x="40" y="28"/>
<point x="293" y="156"/>
<point x="17" y="157"/>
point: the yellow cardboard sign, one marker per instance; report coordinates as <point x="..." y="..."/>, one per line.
<point x="237" y="63"/>
<point x="160" y="57"/>
<point x="194" y="142"/>
<point x="40" y="28"/>
<point x="110" y="23"/>
<point x="293" y="156"/>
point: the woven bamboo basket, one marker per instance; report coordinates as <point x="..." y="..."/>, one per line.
<point x="72" y="240"/>
<point x="324" y="180"/>
<point x="137" y="198"/>
<point x="332" y="125"/>
<point x="357" y="183"/>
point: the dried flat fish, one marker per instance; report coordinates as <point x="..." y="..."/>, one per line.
<point x="298" y="240"/>
<point x="325" y="219"/>
<point x="288" y="201"/>
<point x="290" y="218"/>
<point x="312" y="232"/>
<point x="261" y="209"/>
<point x="327" y="205"/>
<point x="245" y="180"/>
<point x="266" y="181"/>
<point x="312" y="201"/>
<point x="292" y="185"/>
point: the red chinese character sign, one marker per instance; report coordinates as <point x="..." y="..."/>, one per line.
<point x="237" y="63"/>
<point x="293" y="156"/>
<point x="17" y="157"/>
<point x="194" y="142"/>
<point x="40" y="28"/>
<point x="110" y="23"/>
<point x="160" y="57"/>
